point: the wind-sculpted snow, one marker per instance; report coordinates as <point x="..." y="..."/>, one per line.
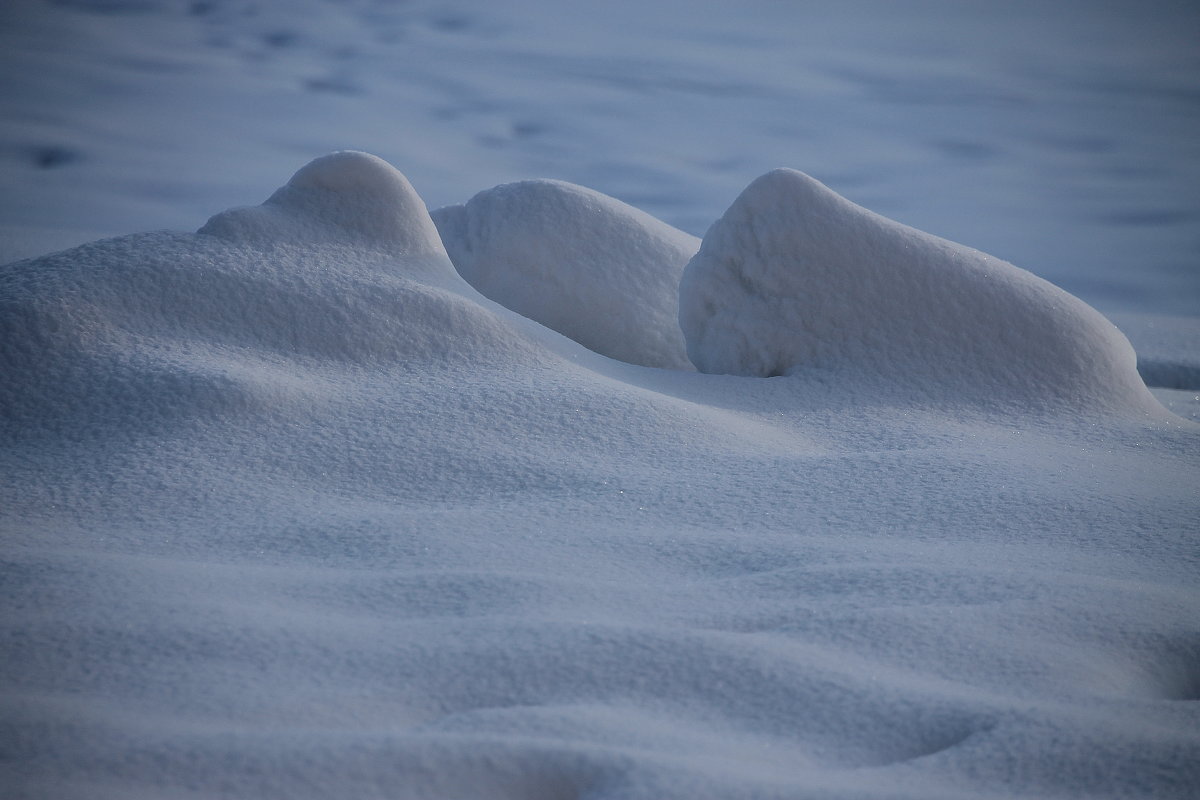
<point x="342" y="267"/>
<point x="585" y="265"/>
<point x="289" y="510"/>
<point x="797" y="280"/>
<point x="345" y="197"/>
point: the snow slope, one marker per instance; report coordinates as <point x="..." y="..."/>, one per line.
<point x="291" y="510"/>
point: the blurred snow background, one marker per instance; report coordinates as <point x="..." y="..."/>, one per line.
<point x="1059" y="136"/>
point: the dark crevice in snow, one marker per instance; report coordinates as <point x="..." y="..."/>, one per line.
<point x="1169" y="374"/>
<point x="938" y="742"/>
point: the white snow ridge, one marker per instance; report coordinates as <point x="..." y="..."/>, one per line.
<point x="795" y="279"/>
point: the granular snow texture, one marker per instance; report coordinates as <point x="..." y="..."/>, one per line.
<point x="290" y="510"/>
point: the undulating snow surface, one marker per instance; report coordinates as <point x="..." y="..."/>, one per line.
<point x="1058" y="136"/>
<point x="290" y="510"/>
<point x="337" y="499"/>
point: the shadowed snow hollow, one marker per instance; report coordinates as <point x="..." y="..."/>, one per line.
<point x="795" y="279"/>
<point x="582" y="263"/>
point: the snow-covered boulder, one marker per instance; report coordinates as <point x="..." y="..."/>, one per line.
<point x="584" y="264"/>
<point x="795" y="279"/>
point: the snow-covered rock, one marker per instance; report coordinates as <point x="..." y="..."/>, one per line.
<point x="584" y="264"/>
<point x="795" y="279"/>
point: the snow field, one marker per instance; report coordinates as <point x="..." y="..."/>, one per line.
<point x="291" y="510"/>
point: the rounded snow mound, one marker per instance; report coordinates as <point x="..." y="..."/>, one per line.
<point x="579" y="262"/>
<point x="796" y="279"/>
<point x="344" y="197"/>
<point x="340" y="271"/>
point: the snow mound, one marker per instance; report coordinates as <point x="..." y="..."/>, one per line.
<point x="795" y="279"/>
<point x="584" y="264"/>
<point x="342" y="197"/>
<point x="289" y="510"/>
<point x="339" y="270"/>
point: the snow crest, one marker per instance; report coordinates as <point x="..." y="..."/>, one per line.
<point x="584" y="264"/>
<point x="346" y="196"/>
<point x="794" y="279"/>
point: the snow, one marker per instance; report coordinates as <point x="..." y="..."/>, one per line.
<point x="347" y="195"/>
<point x="583" y="264"/>
<point x="293" y="511"/>
<point x="795" y="279"/>
<point x="1060" y="139"/>
<point x="290" y="509"/>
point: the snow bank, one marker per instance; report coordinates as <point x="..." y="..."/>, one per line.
<point x="796" y="280"/>
<point x="579" y="262"/>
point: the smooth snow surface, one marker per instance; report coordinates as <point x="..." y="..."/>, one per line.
<point x="346" y="196"/>
<point x="583" y="264"/>
<point x="290" y="510"/>
<point x="796" y="279"/>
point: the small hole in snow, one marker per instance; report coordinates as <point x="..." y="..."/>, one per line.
<point x="451" y="23"/>
<point x="51" y="156"/>
<point x="280" y="39"/>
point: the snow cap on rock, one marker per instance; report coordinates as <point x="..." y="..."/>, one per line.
<point x="796" y="279"/>
<point x="579" y="262"/>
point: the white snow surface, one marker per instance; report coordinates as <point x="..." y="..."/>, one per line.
<point x="796" y="278"/>
<point x="581" y="263"/>
<point x="290" y="510"/>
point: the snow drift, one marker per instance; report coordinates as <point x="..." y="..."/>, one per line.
<point x="796" y="280"/>
<point x="341" y="266"/>
<point x="581" y="263"/>
<point x="289" y="510"/>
